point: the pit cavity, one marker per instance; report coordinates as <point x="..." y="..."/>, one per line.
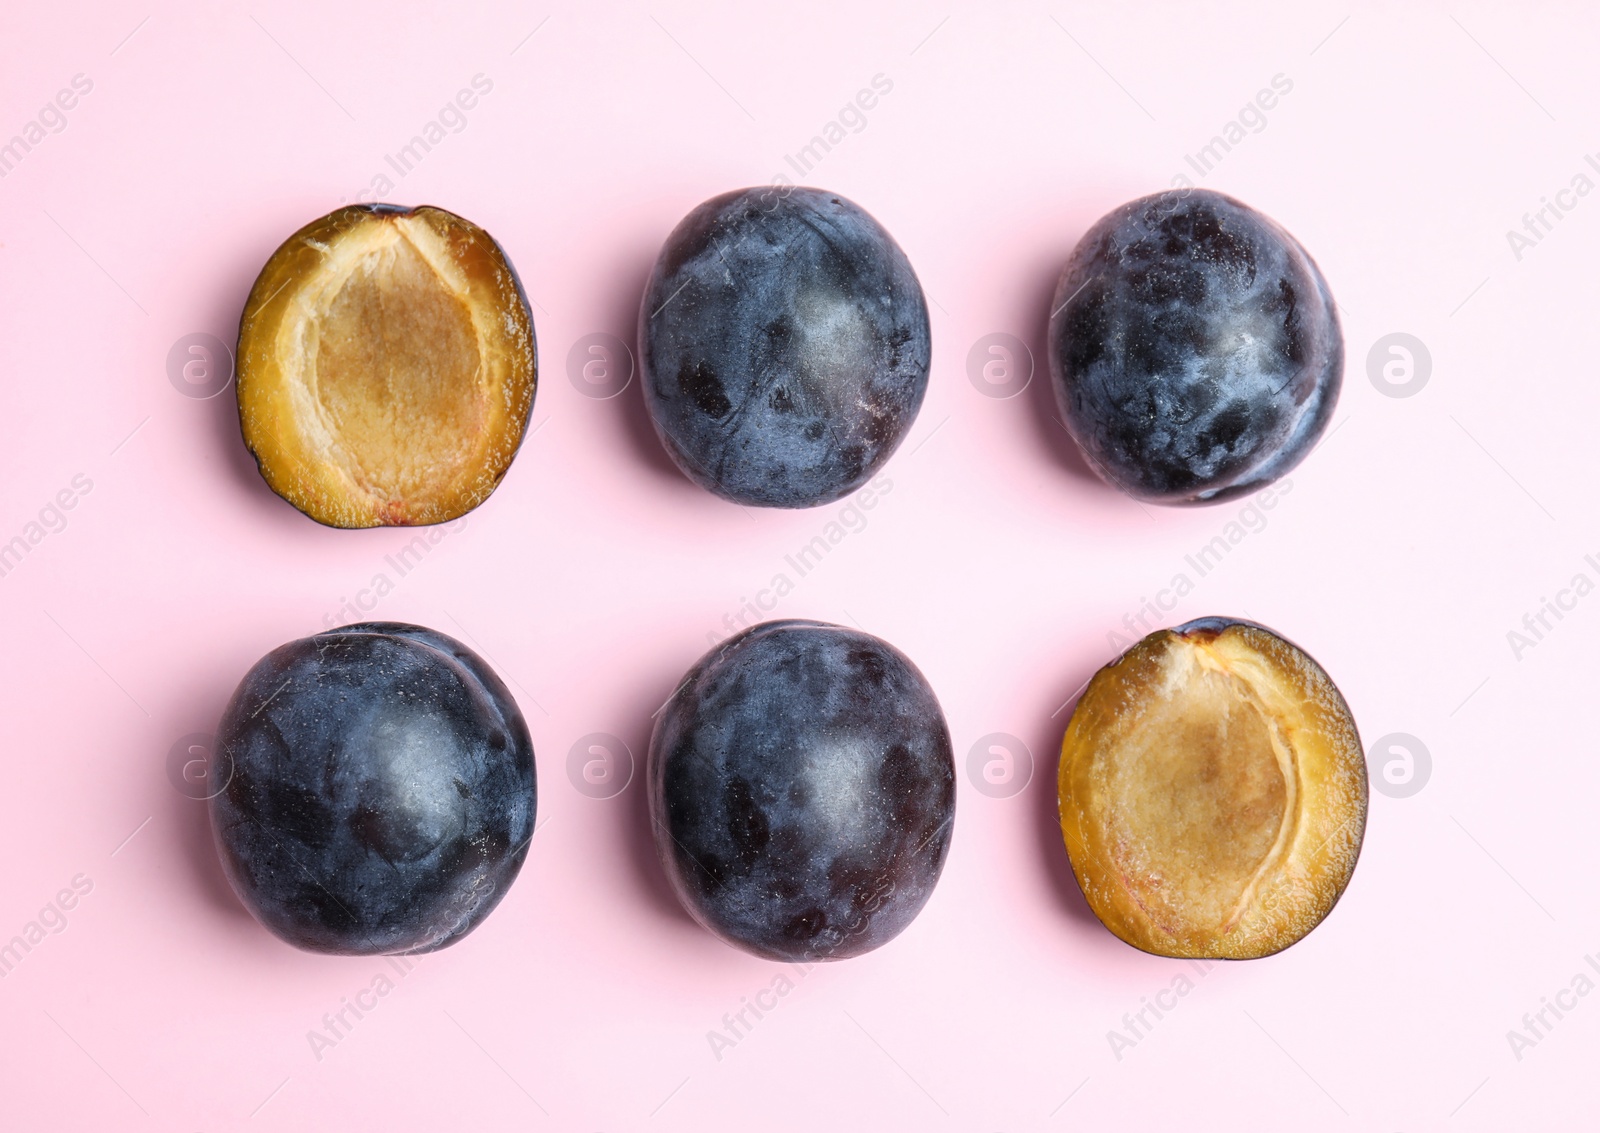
<point x="1205" y="791"/>
<point x="397" y="368"/>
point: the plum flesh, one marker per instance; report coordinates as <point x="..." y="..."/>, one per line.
<point x="382" y="790"/>
<point x="1213" y="792"/>
<point x="802" y="790"/>
<point x="784" y="345"/>
<point x="1195" y="348"/>
<point x="386" y="367"/>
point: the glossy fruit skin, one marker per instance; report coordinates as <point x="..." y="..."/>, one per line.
<point x="784" y="346"/>
<point x="1195" y="348"/>
<point x="802" y="791"/>
<point x="382" y="790"/>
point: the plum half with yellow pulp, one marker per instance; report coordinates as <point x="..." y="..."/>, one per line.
<point x="1213" y="792"/>
<point x="386" y="367"/>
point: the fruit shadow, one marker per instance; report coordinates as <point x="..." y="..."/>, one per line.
<point x="191" y="819"/>
<point x="228" y="289"/>
<point x="1050" y="431"/>
<point x="1047" y="816"/>
<point x="624" y="293"/>
<point x="195" y="705"/>
<point x="638" y="827"/>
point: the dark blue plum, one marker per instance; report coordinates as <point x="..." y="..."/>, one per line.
<point x="1195" y="348"/>
<point x="381" y="795"/>
<point x="784" y="346"/>
<point x="802" y="791"/>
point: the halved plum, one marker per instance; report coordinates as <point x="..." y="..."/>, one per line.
<point x="1213" y="792"/>
<point x="386" y="367"/>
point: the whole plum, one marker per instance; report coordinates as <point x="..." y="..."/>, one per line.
<point x="1195" y="348"/>
<point x="381" y="792"/>
<point x="802" y="790"/>
<point x="784" y="346"/>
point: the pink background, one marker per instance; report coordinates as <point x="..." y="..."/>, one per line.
<point x="1408" y="546"/>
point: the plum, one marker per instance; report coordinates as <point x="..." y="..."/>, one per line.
<point x="386" y="367"/>
<point x="382" y="792"/>
<point x="1213" y="792"/>
<point x="802" y="791"/>
<point x="1194" y="347"/>
<point x="784" y="346"/>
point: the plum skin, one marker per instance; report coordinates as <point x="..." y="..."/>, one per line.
<point x="802" y="791"/>
<point x="1195" y="348"/>
<point x="784" y="346"/>
<point x="382" y="790"/>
